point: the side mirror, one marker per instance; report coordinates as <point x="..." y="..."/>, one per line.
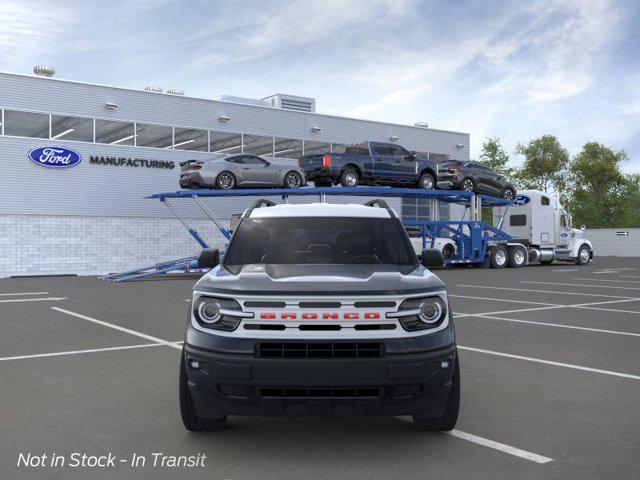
<point x="209" y="258"/>
<point x="411" y="157"/>
<point x="432" y="258"/>
<point x="583" y="227"/>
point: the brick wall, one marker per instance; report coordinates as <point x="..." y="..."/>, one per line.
<point x="49" y="245"/>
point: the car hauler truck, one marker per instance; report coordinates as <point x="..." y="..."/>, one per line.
<point x="538" y="221"/>
<point x="534" y="228"/>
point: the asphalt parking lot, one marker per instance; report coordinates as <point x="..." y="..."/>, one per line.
<point x="550" y="366"/>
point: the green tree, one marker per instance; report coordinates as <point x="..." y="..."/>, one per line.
<point x="495" y="156"/>
<point x="599" y="193"/>
<point x="545" y="164"/>
<point x="632" y="185"/>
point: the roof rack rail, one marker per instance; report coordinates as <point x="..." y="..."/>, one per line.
<point x="258" y="204"/>
<point x="381" y="204"/>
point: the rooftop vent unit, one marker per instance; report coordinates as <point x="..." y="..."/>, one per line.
<point x="153" y="88"/>
<point x="175" y="91"/>
<point x="243" y="100"/>
<point x="291" y="102"/>
<point x="44" y="71"/>
<point x="422" y="124"/>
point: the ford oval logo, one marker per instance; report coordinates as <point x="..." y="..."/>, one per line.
<point x="55" y="157"/>
<point x="521" y="200"/>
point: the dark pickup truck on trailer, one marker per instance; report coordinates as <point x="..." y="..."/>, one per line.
<point x="371" y="163"/>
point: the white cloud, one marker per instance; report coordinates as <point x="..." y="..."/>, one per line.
<point x="31" y="29"/>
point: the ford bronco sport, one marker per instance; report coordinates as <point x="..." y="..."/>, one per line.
<point x="319" y="309"/>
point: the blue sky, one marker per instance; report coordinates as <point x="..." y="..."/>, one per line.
<point x="515" y="70"/>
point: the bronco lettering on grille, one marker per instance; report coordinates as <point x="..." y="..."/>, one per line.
<point x="316" y="316"/>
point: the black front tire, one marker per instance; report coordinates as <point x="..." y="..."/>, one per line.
<point x="190" y="418"/>
<point x="292" y="180"/>
<point x="498" y="257"/>
<point x="427" y="182"/>
<point x="448" y="420"/>
<point x="584" y="255"/>
<point x="468" y="185"/>
<point x="349" y="178"/>
<point x="225" y="180"/>
<point x="517" y="257"/>
<point x="448" y="251"/>
<point x="509" y="194"/>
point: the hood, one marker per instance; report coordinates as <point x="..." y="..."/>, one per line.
<point x="577" y="232"/>
<point x="260" y="279"/>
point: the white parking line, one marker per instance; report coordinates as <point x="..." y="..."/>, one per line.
<point x="535" y="309"/>
<point x="605" y="280"/>
<point x="579" y="285"/>
<point x="559" y="325"/>
<point x="567" y="270"/>
<point x="548" y="362"/>
<point x="46" y="299"/>
<point x="543" y="291"/>
<point x="80" y="352"/>
<point x="485" y="442"/>
<point x="23" y="293"/>
<point x="117" y="327"/>
<point x="552" y="307"/>
<point x="629" y="276"/>
<point x="76" y="352"/>
<point x="502" y="300"/>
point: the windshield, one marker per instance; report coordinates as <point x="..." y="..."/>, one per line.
<point x="319" y="240"/>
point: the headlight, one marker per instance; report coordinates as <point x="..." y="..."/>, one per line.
<point x="218" y="313"/>
<point x="421" y="313"/>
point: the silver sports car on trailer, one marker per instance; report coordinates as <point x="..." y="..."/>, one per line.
<point x="233" y="171"/>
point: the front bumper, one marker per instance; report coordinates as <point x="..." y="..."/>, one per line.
<point x="226" y="383"/>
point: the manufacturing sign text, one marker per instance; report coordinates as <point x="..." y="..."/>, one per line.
<point x="131" y="162"/>
<point x="55" y="157"/>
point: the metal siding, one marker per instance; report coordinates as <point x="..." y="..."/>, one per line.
<point x="103" y="190"/>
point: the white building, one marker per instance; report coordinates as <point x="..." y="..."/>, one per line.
<point x="92" y="218"/>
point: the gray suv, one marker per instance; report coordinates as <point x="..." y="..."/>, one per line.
<point x="319" y="309"/>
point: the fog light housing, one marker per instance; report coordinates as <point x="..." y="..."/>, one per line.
<point x="194" y="364"/>
<point x="444" y="364"/>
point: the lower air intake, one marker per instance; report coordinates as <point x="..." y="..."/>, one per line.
<point x="332" y="393"/>
<point x="359" y="350"/>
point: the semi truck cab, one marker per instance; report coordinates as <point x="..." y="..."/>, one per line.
<point x="539" y="221"/>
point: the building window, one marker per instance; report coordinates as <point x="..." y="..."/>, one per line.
<point x="114" y="133"/>
<point x="71" y="128"/>
<point x="190" y="139"/>
<point x="316" y="148"/>
<point x="222" y="142"/>
<point x="157" y="136"/>
<point x="287" y="148"/>
<point x="26" y="124"/>
<point x="258" y="145"/>
<point x="438" y="157"/>
<point x="338" y="147"/>
<point x="420" y="209"/>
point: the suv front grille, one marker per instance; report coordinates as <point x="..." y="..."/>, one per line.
<point x="320" y="350"/>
